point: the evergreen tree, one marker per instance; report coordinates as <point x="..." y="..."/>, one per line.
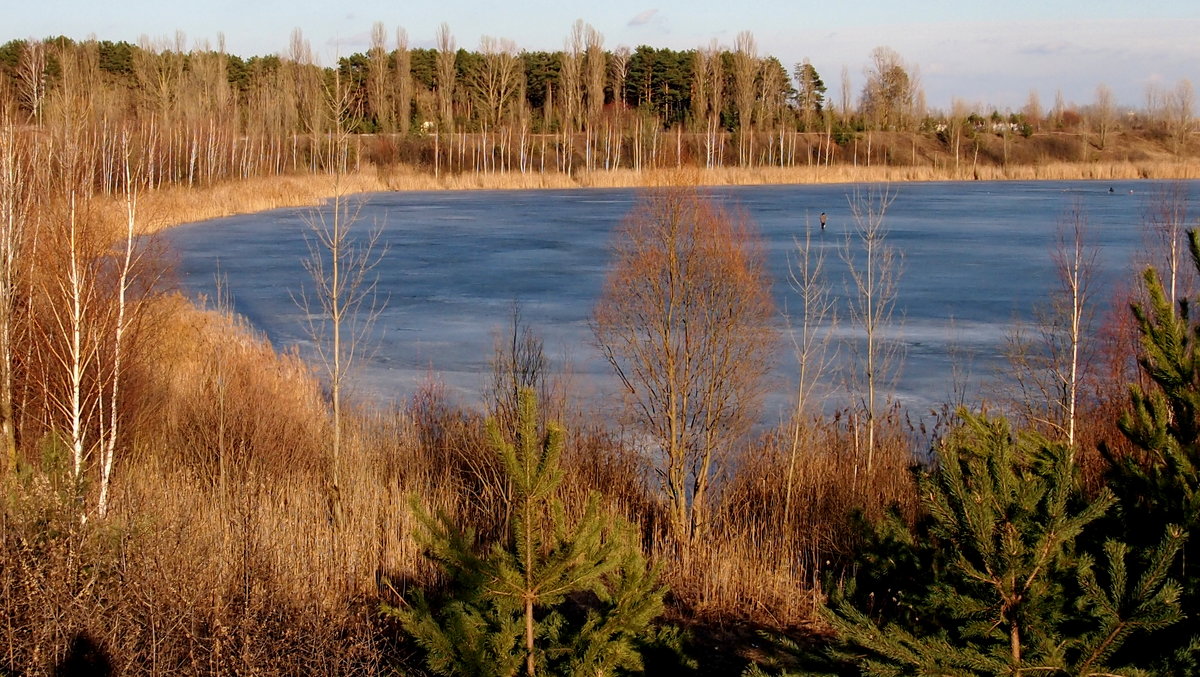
<point x="1161" y="485"/>
<point x="544" y="599"/>
<point x="1001" y="587"/>
<point x="810" y="93"/>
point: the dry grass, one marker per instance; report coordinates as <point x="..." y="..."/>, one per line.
<point x="171" y="206"/>
<point x="222" y="556"/>
<point x="765" y="564"/>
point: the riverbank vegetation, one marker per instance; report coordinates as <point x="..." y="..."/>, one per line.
<point x="498" y="117"/>
<point x="174" y="502"/>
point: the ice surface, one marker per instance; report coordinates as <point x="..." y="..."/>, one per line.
<point x="976" y="257"/>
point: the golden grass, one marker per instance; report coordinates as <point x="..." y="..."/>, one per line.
<point x="171" y="206"/>
<point x="220" y="556"/>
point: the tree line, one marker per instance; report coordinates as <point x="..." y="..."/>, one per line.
<point x="207" y="114"/>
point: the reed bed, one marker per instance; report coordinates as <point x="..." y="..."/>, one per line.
<point x="171" y="206"/>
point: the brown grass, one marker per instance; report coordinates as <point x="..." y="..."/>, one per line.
<point x="222" y="555"/>
<point x="171" y="206"/>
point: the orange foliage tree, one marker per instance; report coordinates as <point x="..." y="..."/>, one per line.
<point x="686" y="320"/>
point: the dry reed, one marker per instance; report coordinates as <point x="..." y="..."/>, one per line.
<point x="171" y="206"/>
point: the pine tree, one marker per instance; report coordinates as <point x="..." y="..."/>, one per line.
<point x="1161" y="485"/>
<point x="544" y="598"/>
<point x="1012" y="595"/>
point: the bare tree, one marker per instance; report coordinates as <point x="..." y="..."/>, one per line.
<point x="1105" y="113"/>
<point x="16" y="198"/>
<point x="811" y="335"/>
<point x="404" y="84"/>
<point x="700" y="97"/>
<point x="497" y="81"/>
<point x="1076" y="263"/>
<point x="127" y="262"/>
<point x="888" y="96"/>
<point x="1180" y="113"/>
<point x="1033" y="110"/>
<point x="596" y="66"/>
<point x="844" y="109"/>
<point x="571" y="75"/>
<point x="1060" y="108"/>
<point x="343" y="305"/>
<point x="874" y="269"/>
<point x="446" y="74"/>
<point x="1166" y="222"/>
<point x="379" y="102"/>
<point x="1049" y="368"/>
<point x="745" y="74"/>
<point x="309" y="96"/>
<point x="519" y="363"/>
<point x="159" y="67"/>
<point x="708" y="99"/>
<point x="70" y="296"/>
<point x="770" y="103"/>
<point x="685" y="319"/>
<point x="31" y="73"/>
<point x="620" y="73"/>
<point x="959" y="112"/>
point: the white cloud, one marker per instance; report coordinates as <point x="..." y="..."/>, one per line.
<point x="643" y="18"/>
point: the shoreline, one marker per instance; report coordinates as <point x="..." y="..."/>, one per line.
<point x="165" y="208"/>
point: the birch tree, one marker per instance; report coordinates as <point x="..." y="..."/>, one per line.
<point x="343" y="305"/>
<point x="31" y="75"/>
<point x="685" y="320"/>
<point x="1165" y="221"/>
<point x="1075" y="261"/>
<point x="70" y="300"/>
<point x="126" y="262"/>
<point x="873" y="267"/>
<point x="16" y="198"/>
<point x="1049" y="368"/>
<point x="811" y="333"/>
<point x="708" y="99"/>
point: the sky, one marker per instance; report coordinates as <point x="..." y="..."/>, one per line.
<point x="990" y="55"/>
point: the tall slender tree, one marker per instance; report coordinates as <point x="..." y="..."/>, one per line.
<point x="403" y="95"/>
<point x="810" y="93"/>
<point x="745" y="75"/>
<point x="17" y="158"/>
<point x="379" y="94"/>
<point x="874" y="270"/>
<point x="447" y="73"/>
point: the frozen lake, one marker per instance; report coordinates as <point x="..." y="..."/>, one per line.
<point x="975" y="257"/>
